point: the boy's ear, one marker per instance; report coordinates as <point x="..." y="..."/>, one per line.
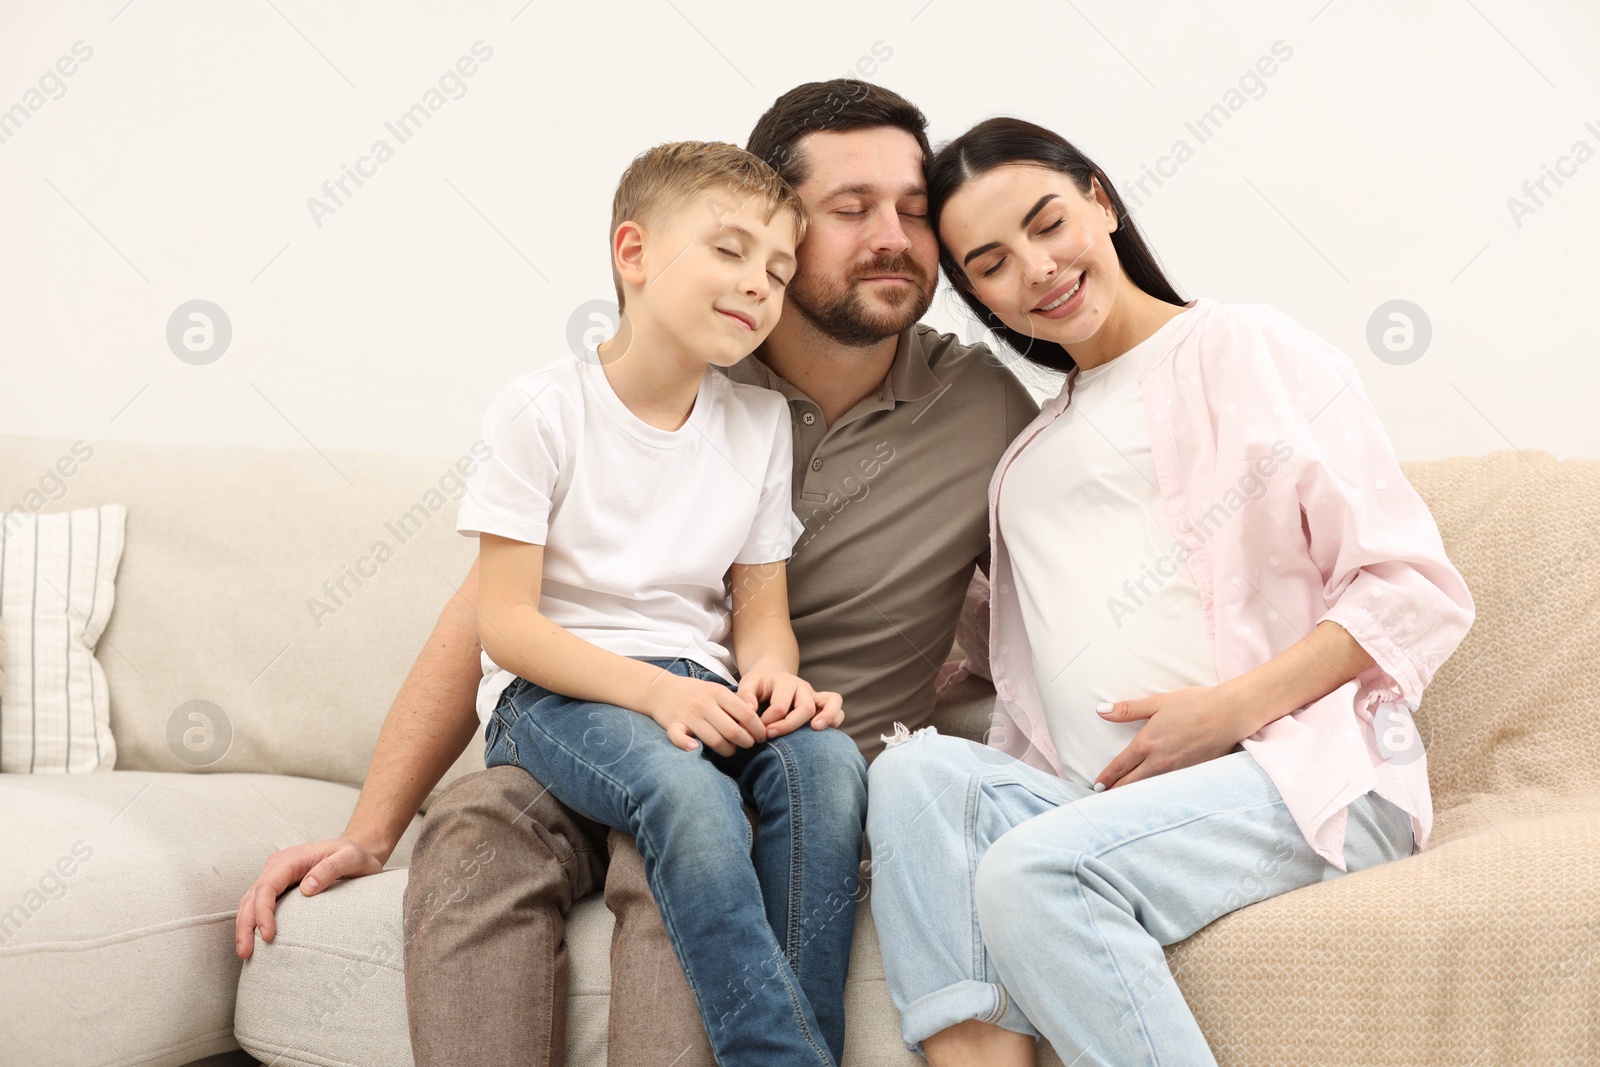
<point x="627" y="253"/>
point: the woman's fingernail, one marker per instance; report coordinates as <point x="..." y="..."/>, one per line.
<point x="1104" y="709"/>
<point x="311" y="883"/>
<point x="1099" y="787"/>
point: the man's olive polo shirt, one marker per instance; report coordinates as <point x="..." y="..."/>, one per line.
<point x="894" y="500"/>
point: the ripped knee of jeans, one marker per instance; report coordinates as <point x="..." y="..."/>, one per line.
<point x="902" y="734"/>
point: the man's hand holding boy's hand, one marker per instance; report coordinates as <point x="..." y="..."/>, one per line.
<point x="791" y="702"/>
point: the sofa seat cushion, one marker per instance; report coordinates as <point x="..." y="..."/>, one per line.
<point x="329" y="991"/>
<point x="1483" y="945"/>
<point x="120" y="890"/>
<point x="1481" y="949"/>
<point x="330" y="988"/>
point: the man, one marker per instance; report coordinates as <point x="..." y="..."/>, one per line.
<point x="897" y="429"/>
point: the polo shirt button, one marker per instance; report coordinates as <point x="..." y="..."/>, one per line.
<point x="808" y="418"/>
<point x="816" y="464"/>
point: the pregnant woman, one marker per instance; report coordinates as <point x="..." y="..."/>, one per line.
<point x="1215" y="602"/>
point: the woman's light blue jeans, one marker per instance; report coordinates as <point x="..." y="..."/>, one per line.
<point x="761" y="920"/>
<point x="1006" y="894"/>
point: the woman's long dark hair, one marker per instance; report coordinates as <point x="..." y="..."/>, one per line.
<point x="995" y="142"/>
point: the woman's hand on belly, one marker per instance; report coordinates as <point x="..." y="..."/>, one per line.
<point x="1189" y="726"/>
<point x="1182" y="728"/>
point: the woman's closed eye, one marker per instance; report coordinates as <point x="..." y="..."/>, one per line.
<point x="1048" y="229"/>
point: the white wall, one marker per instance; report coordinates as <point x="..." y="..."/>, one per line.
<point x="1375" y="163"/>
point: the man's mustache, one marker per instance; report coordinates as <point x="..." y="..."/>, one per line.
<point x="904" y="263"/>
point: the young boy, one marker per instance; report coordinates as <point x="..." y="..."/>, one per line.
<point x="629" y="498"/>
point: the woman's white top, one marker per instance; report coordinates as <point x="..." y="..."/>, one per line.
<point x="1111" y="610"/>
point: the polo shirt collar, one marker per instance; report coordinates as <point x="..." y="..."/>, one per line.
<point x="909" y="377"/>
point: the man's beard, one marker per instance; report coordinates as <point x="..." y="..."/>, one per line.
<point x="840" y="312"/>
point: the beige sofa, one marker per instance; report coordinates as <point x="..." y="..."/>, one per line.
<point x="1480" y="950"/>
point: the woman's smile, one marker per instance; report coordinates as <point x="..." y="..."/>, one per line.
<point x="1064" y="299"/>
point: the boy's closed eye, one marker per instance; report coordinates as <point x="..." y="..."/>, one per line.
<point x="777" y="279"/>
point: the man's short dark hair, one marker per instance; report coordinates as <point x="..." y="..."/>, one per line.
<point x="838" y="105"/>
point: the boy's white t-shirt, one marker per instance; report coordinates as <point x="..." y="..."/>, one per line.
<point x="639" y="524"/>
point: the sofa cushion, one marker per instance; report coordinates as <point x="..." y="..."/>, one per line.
<point x="120" y="890"/>
<point x="1480" y="950"/>
<point x="329" y="991"/>
<point x="1484" y="946"/>
<point x="57" y="589"/>
<point x="330" y="988"/>
<point x="1516" y="705"/>
<point x="289" y="589"/>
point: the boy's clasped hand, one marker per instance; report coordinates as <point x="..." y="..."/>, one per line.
<point x="694" y="711"/>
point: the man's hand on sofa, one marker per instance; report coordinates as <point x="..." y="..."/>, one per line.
<point x="315" y="866"/>
<point x="430" y="723"/>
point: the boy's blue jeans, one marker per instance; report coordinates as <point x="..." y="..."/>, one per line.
<point x="761" y="921"/>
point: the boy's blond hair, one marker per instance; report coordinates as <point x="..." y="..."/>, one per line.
<point x="664" y="178"/>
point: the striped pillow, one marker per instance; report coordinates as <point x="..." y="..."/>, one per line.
<point x="57" y="583"/>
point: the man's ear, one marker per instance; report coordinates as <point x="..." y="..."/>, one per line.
<point x="627" y="253"/>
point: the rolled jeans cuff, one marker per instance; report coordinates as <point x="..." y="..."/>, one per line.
<point x="984" y="1001"/>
